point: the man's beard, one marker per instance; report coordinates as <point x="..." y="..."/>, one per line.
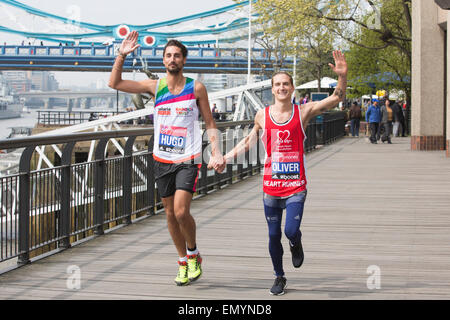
<point x="175" y="70"/>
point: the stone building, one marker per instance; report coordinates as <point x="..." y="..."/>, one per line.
<point x="430" y="86"/>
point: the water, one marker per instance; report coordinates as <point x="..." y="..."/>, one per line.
<point x="27" y="120"/>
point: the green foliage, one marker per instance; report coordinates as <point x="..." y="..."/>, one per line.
<point x="375" y="34"/>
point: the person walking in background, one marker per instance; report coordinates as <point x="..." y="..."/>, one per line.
<point x="373" y="118"/>
<point x="387" y="116"/>
<point x="305" y="99"/>
<point x="399" y="119"/>
<point x="355" y="118"/>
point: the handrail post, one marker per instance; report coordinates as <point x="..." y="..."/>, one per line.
<point x="99" y="186"/>
<point x="229" y="147"/>
<point x="151" y="177"/>
<point x="127" y="179"/>
<point x="24" y="206"/>
<point x="65" y="212"/>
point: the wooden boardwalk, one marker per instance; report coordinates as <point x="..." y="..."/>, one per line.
<point x="368" y="205"/>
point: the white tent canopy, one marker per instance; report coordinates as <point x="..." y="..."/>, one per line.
<point x="325" y="83"/>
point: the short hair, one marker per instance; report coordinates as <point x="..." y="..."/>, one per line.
<point x="285" y="73"/>
<point x="176" y="43"/>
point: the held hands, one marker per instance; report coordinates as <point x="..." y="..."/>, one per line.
<point x="340" y="65"/>
<point x="217" y="162"/>
<point x="129" y="44"/>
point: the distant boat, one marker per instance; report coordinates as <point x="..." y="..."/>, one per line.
<point x="10" y="110"/>
<point x="18" y="132"/>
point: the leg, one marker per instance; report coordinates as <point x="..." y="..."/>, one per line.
<point x="357" y="125"/>
<point x="186" y="179"/>
<point x="373" y="132"/>
<point x="273" y="218"/>
<point x="184" y="219"/>
<point x="388" y="131"/>
<point x="174" y="227"/>
<point x="396" y="125"/>
<point x="294" y="214"/>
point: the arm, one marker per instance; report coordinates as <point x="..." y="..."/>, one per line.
<point x="201" y="94"/>
<point x="245" y="144"/>
<point x="115" y="79"/>
<point x="313" y="109"/>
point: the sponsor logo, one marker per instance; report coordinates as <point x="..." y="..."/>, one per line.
<point x="283" y="136"/>
<point x="184" y="111"/>
<point x="164" y="111"/>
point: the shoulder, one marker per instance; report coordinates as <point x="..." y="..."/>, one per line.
<point x="150" y="84"/>
<point x="198" y="85"/>
<point x="259" y="117"/>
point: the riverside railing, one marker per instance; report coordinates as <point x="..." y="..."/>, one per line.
<point x="52" y="209"/>
<point x="55" y="117"/>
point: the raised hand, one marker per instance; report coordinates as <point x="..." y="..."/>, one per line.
<point x="130" y="43"/>
<point x="340" y="65"/>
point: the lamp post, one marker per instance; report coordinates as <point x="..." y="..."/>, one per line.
<point x="249" y="53"/>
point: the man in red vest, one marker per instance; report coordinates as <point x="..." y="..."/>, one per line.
<point x="284" y="185"/>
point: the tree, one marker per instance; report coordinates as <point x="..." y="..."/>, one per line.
<point x="376" y="34"/>
<point x="305" y="39"/>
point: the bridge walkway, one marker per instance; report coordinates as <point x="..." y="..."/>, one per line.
<point x="370" y="208"/>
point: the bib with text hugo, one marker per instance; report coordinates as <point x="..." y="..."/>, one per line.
<point x="178" y="136"/>
<point x="284" y="167"/>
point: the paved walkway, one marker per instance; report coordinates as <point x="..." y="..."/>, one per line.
<point x="378" y="208"/>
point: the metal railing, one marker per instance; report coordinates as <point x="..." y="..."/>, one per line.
<point x="52" y="208"/>
<point x="62" y="117"/>
<point x="108" y="50"/>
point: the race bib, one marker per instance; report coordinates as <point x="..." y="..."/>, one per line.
<point x="285" y="166"/>
<point x="172" y="139"/>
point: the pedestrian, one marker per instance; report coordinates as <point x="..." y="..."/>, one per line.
<point x="373" y="118"/>
<point x="399" y="119"/>
<point x="284" y="184"/>
<point x="177" y="149"/>
<point x="355" y="118"/>
<point x="305" y="99"/>
<point x="387" y="117"/>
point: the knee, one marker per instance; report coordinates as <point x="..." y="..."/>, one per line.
<point x="291" y="232"/>
<point x="170" y="215"/>
<point x="275" y="234"/>
<point x="181" y="213"/>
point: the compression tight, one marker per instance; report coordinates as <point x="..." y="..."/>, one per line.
<point x="294" y="213"/>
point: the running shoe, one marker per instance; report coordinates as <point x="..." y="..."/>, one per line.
<point x="278" y="286"/>
<point x="182" y="276"/>
<point x="297" y="254"/>
<point x="194" y="266"/>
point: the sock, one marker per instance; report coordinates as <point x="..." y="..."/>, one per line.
<point x="182" y="259"/>
<point x="193" y="251"/>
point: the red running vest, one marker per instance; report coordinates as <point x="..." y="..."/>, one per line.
<point x="284" y="167"/>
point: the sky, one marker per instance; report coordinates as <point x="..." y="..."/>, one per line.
<point x="111" y="12"/>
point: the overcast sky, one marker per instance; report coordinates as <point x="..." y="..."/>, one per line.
<point x="111" y="12"/>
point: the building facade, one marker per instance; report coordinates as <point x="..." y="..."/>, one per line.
<point x="430" y="91"/>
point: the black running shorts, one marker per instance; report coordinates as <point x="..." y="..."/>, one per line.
<point x="170" y="177"/>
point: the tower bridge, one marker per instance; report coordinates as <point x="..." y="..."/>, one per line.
<point x="101" y="58"/>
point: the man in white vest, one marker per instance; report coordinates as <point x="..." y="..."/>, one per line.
<point x="177" y="144"/>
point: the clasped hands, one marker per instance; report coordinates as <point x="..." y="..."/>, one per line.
<point x="217" y="163"/>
